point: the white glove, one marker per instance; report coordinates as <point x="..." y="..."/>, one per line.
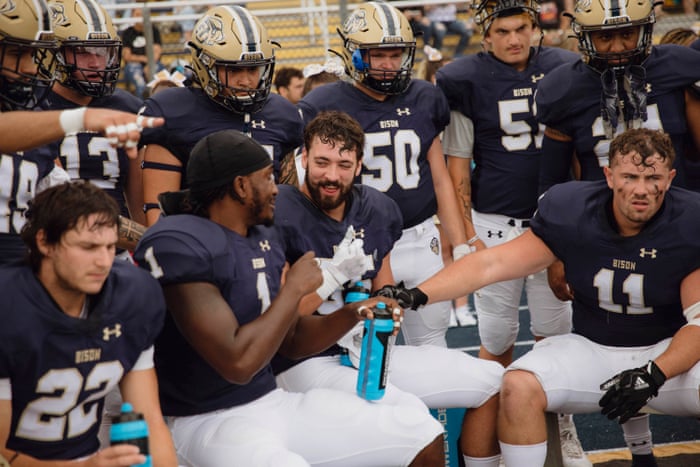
<point x="348" y="262"/>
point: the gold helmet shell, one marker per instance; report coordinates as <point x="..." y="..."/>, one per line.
<point x="84" y="27"/>
<point x="25" y="27"/>
<point x="377" y="25"/>
<point x="230" y="38"/>
<point x="591" y="16"/>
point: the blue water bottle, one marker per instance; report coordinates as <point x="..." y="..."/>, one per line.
<point x="356" y="293"/>
<point x="129" y="427"/>
<point x="377" y="340"/>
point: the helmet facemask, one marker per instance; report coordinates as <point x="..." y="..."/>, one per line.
<point x="22" y="90"/>
<point x="488" y="10"/>
<point x="593" y="18"/>
<point x="229" y="40"/>
<point x="224" y="92"/>
<point x="377" y="78"/>
<point x="90" y="67"/>
<point x="377" y="27"/>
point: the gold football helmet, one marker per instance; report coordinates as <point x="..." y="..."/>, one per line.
<point x="25" y="28"/>
<point x="377" y="25"/>
<point x="90" y="50"/>
<point x="605" y="15"/>
<point x="226" y="39"/>
<point x="488" y="10"/>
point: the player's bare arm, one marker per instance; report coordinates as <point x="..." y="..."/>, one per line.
<point x="238" y="352"/>
<point x="288" y="170"/>
<point x="140" y="388"/>
<point x="448" y="208"/>
<point x="130" y="232"/>
<point x="20" y="133"/>
<point x="159" y="180"/>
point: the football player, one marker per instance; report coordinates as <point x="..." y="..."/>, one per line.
<point x="89" y="61"/>
<point x="622" y="81"/>
<point x="491" y="97"/>
<point x="316" y="217"/>
<point x="76" y="324"/>
<point x="220" y="264"/>
<point x="403" y="157"/>
<point x="27" y="64"/>
<point x="233" y="63"/>
<point x="631" y="248"/>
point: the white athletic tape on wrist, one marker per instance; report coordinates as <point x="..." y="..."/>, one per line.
<point x="692" y="314"/>
<point x="72" y="121"/>
<point x="460" y="251"/>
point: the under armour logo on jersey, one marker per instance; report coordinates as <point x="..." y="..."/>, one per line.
<point x="257" y="124"/>
<point x="491" y="234"/>
<point x="107" y="333"/>
<point x="403" y="112"/>
<point x="536" y="78"/>
<point x="264" y="245"/>
<point x="644" y="252"/>
<point x="360" y="233"/>
<point x="435" y="246"/>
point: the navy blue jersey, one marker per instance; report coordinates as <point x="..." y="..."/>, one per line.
<point x="19" y="174"/>
<point x="398" y="131"/>
<point x="568" y="100"/>
<point x="88" y="155"/>
<point x="190" y="115"/>
<point x="60" y="367"/>
<point x="499" y="100"/>
<point x="186" y="248"/>
<point x="626" y="289"/>
<point x="375" y="217"/>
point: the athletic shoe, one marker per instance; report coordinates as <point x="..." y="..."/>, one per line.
<point x="571" y="451"/>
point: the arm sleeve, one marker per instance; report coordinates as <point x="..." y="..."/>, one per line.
<point x="555" y="164"/>
<point x="458" y="137"/>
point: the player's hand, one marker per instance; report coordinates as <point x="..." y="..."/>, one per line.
<point x="406" y="298"/>
<point x="557" y="281"/>
<point x="627" y="392"/>
<point x="122" y="129"/>
<point x="305" y="274"/>
<point x="116" y="456"/>
<point x="364" y="310"/>
<point x="349" y="262"/>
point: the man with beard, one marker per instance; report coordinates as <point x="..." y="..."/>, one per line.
<point x="402" y="120"/>
<point x="220" y="264"/>
<point x="631" y="248"/>
<point x="322" y="215"/>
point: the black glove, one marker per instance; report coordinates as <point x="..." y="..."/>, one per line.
<point x="609" y="102"/>
<point x="407" y="298"/>
<point x="629" y="391"/>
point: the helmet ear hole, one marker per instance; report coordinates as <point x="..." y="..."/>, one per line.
<point x="358" y="62"/>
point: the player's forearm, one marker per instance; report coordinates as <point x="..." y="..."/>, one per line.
<point x="314" y="334"/>
<point x="460" y="173"/>
<point x="161" y="444"/>
<point x="130" y="232"/>
<point x="555" y="162"/>
<point x="682" y="353"/>
<point x="19" y="129"/>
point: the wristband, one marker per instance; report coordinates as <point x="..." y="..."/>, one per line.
<point x="460" y="251"/>
<point x="473" y="240"/>
<point x="72" y="120"/>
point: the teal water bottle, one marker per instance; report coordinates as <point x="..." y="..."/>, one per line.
<point x="129" y="427"/>
<point x="356" y="293"/>
<point x="377" y="340"/>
